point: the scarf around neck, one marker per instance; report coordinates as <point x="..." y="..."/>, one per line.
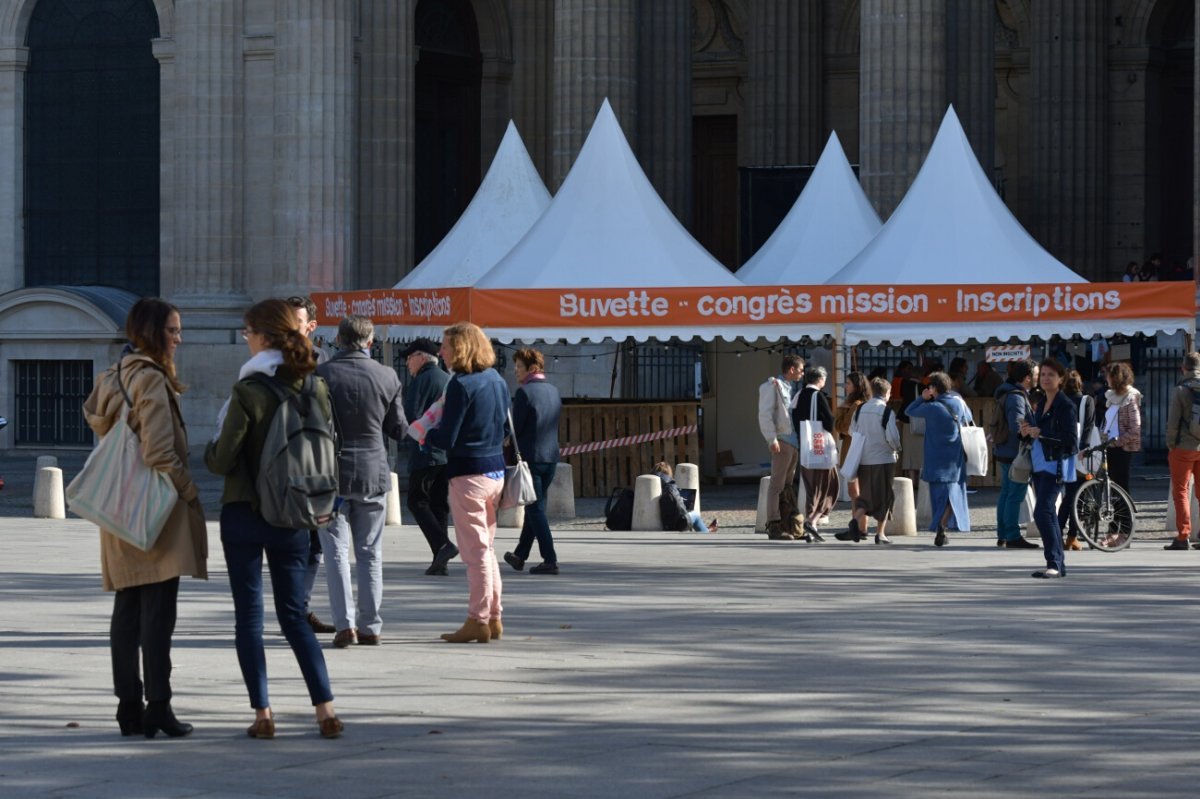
<point x="265" y="363"/>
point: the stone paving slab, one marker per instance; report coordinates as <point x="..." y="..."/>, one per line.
<point x="656" y="665"/>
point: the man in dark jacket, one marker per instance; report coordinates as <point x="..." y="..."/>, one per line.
<point x="1013" y="398"/>
<point x="428" y="491"/>
<point x="367" y="406"/>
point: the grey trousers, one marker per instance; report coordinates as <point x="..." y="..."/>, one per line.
<point x="359" y="522"/>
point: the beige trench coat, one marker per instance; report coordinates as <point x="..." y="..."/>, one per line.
<point x="182" y="547"/>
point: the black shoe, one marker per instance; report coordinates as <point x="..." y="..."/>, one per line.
<point x="811" y="535"/>
<point x="515" y="562"/>
<point x="1000" y="542"/>
<point x="1021" y="543"/>
<point x="158" y="716"/>
<point x="543" y="568"/>
<point x="881" y="540"/>
<point x="446" y="554"/>
<point x="438" y="570"/>
<point x="939" y="540"/>
<point x="129" y="716"/>
<point x="1177" y="544"/>
<point x="1196" y="545"/>
<point x="319" y="626"/>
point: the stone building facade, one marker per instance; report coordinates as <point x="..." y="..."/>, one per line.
<point x="217" y="152"/>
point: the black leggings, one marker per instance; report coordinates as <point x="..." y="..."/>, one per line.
<point x="1119" y="463"/>
<point x="143" y="618"/>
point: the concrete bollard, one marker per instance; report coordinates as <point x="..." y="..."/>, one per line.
<point x="904" y="511"/>
<point x="687" y="475"/>
<point x="924" y="511"/>
<point x="48" y="499"/>
<point x="760" y="518"/>
<point x="646" y="514"/>
<point x="392" y="514"/>
<point x="560" y="499"/>
<point x="1171" y="525"/>
<point x="46" y="460"/>
<point x="511" y="517"/>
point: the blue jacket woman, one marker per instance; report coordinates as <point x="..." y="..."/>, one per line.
<point x="945" y="466"/>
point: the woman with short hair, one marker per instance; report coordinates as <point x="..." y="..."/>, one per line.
<point x="820" y="485"/>
<point x="471" y="431"/>
<point x="875" y="424"/>
<point x="945" y="463"/>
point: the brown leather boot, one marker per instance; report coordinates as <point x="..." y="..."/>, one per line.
<point x="496" y="627"/>
<point x="1072" y="543"/>
<point x="472" y="630"/>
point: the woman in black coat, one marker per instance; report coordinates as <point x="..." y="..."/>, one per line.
<point x="1055" y="434"/>
<point x="820" y="485"/>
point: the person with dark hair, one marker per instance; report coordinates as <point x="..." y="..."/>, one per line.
<point x="472" y="428"/>
<point x="945" y="465"/>
<point x="1122" y="421"/>
<point x="278" y="352"/>
<point x="368" y="409"/>
<point x="1013" y="398"/>
<point x="876" y="424"/>
<point x="536" y="408"/>
<point x="428" y="492"/>
<point x="986" y="380"/>
<point x="821" y="486"/>
<point x="143" y="384"/>
<point x="958" y="378"/>
<point x="775" y="424"/>
<point x="1053" y="428"/>
<point x="1183" y="447"/>
<point x="672" y="497"/>
<point x="857" y="392"/>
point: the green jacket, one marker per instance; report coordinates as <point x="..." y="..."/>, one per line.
<point x="238" y="449"/>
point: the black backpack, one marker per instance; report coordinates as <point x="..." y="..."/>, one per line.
<point x="618" y="511"/>
<point x="672" y="508"/>
<point x="1000" y="429"/>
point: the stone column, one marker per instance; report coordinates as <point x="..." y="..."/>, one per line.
<point x="385" y="143"/>
<point x="533" y="80"/>
<point x="785" y="54"/>
<point x="595" y="56"/>
<point x="13" y="63"/>
<point x="665" y="101"/>
<point x="971" y="75"/>
<point x="902" y="98"/>
<point x="203" y="261"/>
<point x="314" y="145"/>
<point x="1067" y="69"/>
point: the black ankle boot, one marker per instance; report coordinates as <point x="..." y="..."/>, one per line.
<point x="129" y="716"/>
<point x="158" y="716"/>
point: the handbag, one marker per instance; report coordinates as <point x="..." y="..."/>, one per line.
<point x="117" y="491"/>
<point x="518" y="488"/>
<point x="1021" y="468"/>
<point x="853" y="458"/>
<point x="1087" y="464"/>
<point x="975" y="448"/>
<point x="817" y="447"/>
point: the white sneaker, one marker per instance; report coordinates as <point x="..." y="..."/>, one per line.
<point x="1047" y="574"/>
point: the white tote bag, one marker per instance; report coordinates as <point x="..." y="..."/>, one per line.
<point x="1088" y="464"/>
<point x="817" y="447"/>
<point x="975" y="447"/>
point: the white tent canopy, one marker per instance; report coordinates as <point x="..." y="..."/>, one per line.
<point x="608" y="228"/>
<point x="953" y="229"/>
<point x="830" y="222"/>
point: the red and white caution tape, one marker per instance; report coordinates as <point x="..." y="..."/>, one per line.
<point x="626" y="441"/>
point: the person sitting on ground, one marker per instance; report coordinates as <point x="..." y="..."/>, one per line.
<point x="675" y="515"/>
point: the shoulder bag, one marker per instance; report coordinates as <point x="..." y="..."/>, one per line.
<point x="817" y="448"/>
<point x="117" y="491"/>
<point x="975" y="448"/>
<point x="518" y="482"/>
<point x="1021" y="468"/>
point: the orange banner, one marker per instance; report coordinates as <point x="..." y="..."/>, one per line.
<point x="742" y="305"/>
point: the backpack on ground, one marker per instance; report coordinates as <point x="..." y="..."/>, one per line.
<point x="672" y="508"/>
<point x="297" y="472"/>
<point x="618" y="511"/>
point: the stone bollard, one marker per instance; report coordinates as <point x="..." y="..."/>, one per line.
<point x="760" y="519"/>
<point x="48" y="499"/>
<point x="687" y="475"/>
<point x="924" y="511"/>
<point x="511" y="517"/>
<point x="1171" y="525"/>
<point x="646" y="514"/>
<point x="560" y="499"/>
<point x="46" y="460"/>
<point x="392" y="514"/>
<point x="904" y="511"/>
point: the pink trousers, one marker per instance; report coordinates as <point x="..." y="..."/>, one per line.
<point x="474" y="500"/>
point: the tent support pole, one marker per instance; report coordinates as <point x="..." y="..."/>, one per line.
<point x="839" y="368"/>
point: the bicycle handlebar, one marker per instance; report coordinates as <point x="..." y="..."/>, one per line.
<point x="1103" y="445"/>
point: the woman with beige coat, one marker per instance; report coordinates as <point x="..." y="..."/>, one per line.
<point x="147" y="583"/>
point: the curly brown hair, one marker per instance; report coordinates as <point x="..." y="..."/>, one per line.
<point x="533" y="360"/>
<point x="1120" y="376"/>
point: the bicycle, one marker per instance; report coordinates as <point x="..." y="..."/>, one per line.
<point x="1103" y="511"/>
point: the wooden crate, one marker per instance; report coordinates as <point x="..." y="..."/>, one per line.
<point x="597" y="473"/>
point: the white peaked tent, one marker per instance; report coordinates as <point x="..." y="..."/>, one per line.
<point x="509" y="200"/>
<point x="608" y="228"/>
<point x="953" y="229"/>
<point x="829" y="224"/>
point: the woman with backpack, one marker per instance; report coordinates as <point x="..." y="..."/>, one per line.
<point x="471" y="431"/>
<point x="144" y="385"/>
<point x="281" y="354"/>
<point x="875" y="424"/>
<point x="674" y="511"/>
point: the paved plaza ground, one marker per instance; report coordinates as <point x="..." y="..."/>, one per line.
<point x="655" y="665"/>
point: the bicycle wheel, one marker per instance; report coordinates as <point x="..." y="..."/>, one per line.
<point x="1105" y="522"/>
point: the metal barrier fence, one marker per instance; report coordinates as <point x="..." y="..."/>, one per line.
<point x="1157" y="384"/>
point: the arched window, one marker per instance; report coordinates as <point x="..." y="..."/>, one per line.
<point x="449" y="70"/>
<point x="92" y="145"/>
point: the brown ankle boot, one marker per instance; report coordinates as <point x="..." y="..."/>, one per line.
<point x="472" y="630"/>
<point x="496" y="628"/>
<point x="1072" y="543"/>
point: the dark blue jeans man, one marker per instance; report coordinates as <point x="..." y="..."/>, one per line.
<point x="1046" y="488"/>
<point x="536" y="524"/>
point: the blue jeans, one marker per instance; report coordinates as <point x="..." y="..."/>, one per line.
<point x="1008" y="506"/>
<point x="359" y="523"/>
<point x="536" y="525"/>
<point x="1046" y="488"/>
<point x="697" y="522"/>
<point x="244" y="537"/>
